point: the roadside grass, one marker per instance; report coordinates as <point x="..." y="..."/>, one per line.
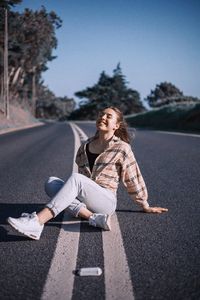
<point x="181" y="117"/>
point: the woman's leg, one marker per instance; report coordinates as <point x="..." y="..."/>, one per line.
<point x="96" y="198"/>
<point x="81" y="187"/>
<point x="86" y="190"/>
<point x="53" y="185"/>
<point x="46" y="214"/>
<point x="78" y="209"/>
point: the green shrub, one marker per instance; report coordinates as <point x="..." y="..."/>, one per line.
<point x="172" y="117"/>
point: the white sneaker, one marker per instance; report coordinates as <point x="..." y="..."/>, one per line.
<point x="27" y="224"/>
<point x="100" y="220"/>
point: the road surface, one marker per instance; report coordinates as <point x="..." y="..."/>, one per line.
<point x="146" y="256"/>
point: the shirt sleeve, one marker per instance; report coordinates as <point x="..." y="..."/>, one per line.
<point x="133" y="180"/>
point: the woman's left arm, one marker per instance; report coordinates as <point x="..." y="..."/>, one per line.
<point x="136" y="187"/>
<point x="155" y="210"/>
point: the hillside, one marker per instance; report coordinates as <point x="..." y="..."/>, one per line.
<point x="18" y="118"/>
<point x="179" y="117"/>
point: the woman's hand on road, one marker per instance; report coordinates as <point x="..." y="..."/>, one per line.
<point x="156" y="210"/>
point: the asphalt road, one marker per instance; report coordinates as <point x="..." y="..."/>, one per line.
<point x="162" y="250"/>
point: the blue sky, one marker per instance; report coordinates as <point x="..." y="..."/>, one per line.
<point x="154" y="40"/>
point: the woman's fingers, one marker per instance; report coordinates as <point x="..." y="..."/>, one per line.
<point x="161" y="209"/>
<point x="158" y="210"/>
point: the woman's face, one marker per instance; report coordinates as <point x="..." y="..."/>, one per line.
<point x="107" y="120"/>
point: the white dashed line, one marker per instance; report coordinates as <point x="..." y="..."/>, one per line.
<point x="60" y="279"/>
<point x="118" y="284"/>
<point x="117" y="275"/>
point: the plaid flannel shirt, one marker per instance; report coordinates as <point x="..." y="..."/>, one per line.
<point x="116" y="163"/>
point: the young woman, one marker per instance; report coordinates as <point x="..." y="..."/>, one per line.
<point x="103" y="161"/>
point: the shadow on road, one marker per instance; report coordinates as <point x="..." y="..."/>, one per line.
<point x="129" y="211"/>
<point x="6" y="237"/>
<point x="15" y="210"/>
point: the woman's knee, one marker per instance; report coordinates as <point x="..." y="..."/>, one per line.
<point x="77" y="177"/>
<point x="53" y="185"/>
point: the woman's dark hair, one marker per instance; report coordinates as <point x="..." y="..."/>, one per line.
<point x="122" y="131"/>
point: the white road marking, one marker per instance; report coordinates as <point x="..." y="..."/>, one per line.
<point x="117" y="275"/>
<point x="60" y="279"/>
<point x="118" y="284"/>
<point x="7" y="130"/>
<point x="67" y="221"/>
<point x="179" y="133"/>
<point x="82" y="135"/>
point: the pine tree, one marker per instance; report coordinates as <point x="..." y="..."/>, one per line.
<point x="108" y="91"/>
<point x="162" y="93"/>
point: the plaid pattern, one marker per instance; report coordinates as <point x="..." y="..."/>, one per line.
<point x="116" y="163"/>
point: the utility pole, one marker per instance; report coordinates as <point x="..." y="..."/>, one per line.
<point x="34" y="91"/>
<point x="6" y="80"/>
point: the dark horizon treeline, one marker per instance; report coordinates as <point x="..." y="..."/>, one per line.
<point x="113" y="90"/>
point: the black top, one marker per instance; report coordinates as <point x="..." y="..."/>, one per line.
<point x="91" y="157"/>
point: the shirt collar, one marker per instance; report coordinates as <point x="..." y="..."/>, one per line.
<point x="113" y="140"/>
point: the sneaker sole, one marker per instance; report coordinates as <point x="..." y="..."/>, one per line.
<point x="31" y="236"/>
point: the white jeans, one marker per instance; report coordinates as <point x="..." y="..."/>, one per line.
<point x="79" y="191"/>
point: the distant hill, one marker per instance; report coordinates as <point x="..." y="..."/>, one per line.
<point x="182" y="117"/>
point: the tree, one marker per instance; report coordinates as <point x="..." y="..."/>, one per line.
<point x="9" y="3"/>
<point x="49" y="106"/>
<point x="166" y="93"/>
<point x="4" y="83"/>
<point x="109" y="90"/>
<point x="29" y="48"/>
<point x="163" y="91"/>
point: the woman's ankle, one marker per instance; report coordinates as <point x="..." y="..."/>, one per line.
<point x="45" y="215"/>
<point x="85" y="213"/>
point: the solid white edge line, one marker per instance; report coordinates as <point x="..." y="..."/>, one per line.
<point x="117" y="275"/>
<point x="82" y="135"/>
<point x="178" y="133"/>
<point x="13" y="129"/>
<point x="60" y="279"/>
